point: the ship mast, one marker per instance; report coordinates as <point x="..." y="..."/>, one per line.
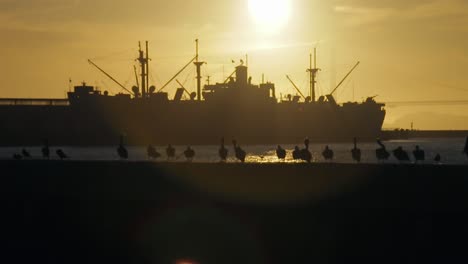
<point x="313" y="75"/>
<point x="144" y="69"/>
<point x="198" y="64"/>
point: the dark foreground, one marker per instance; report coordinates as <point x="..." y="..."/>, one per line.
<point x="118" y="212"/>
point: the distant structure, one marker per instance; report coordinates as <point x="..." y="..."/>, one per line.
<point x="45" y="149"/>
<point x="280" y="152"/>
<point x="401" y="155"/>
<point x="121" y="150"/>
<point x="305" y="153"/>
<point x="170" y="152"/>
<point x="223" y="152"/>
<point x="328" y="154"/>
<point x="356" y="152"/>
<point x="26" y="154"/>
<point x="189" y="154"/>
<point x="419" y="154"/>
<point x="17" y="156"/>
<point x="239" y="152"/>
<point x="61" y="154"/>
<point x="381" y="153"/>
<point x="152" y="153"/>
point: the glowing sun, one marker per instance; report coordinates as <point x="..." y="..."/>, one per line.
<point x="270" y="16"/>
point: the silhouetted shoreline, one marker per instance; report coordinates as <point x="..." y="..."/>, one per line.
<point x="145" y="212"/>
<point x="408" y="134"/>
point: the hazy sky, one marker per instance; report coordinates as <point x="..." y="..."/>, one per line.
<point x="409" y="50"/>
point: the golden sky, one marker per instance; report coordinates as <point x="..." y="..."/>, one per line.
<point x="409" y="50"/>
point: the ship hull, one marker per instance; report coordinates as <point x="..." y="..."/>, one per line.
<point x="187" y="123"/>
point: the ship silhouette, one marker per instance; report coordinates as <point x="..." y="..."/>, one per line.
<point x="234" y="108"/>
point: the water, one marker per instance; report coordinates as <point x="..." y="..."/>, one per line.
<point x="449" y="149"/>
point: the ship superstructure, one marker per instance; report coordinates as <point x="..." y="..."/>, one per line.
<point x="234" y="108"/>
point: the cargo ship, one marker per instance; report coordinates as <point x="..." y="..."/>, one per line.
<point x="234" y="108"/>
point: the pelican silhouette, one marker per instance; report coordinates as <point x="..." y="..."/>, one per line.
<point x="305" y="153"/>
<point x="152" y="153"/>
<point x="356" y="152"/>
<point x="189" y="154"/>
<point x="328" y="154"/>
<point x="400" y="154"/>
<point x="121" y="150"/>
<point x="45" y="150"/>
<point x="381" y="153"/>
<point x="170" y="152"/>
<point x="240" y="153"/>
<point x="26" y="154"/>
<point x="61" y="154"/>
<point x="419" y="154"/>
<point x="223" y="152"/>
<point x="280" y="152"/>
<point x="438" y="158"/>
<point x="296" y="153"/>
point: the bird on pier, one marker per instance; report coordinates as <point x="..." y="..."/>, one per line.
<point x="419" y="154"/>
<point x="223" y="152"/>
<point x="438" y="158"/>
<point x="280" y="152"/>
<point x="45" y="150"/>
<point x="239" y="152"/>
<point x="189" y="154"/>
<point x="305" y="153"/>
<point x="400" y="154"/>
<point x="170" y="152"/>
<point x="296" y="153"/>
<point x="121" y="150"/>
<point x="61" y="154"/>
<point x="328" y="154"/>
<point x="381" y="153"/>
<point x="356" y="152"/>
<point x="152" y="153"/>
<point x="465" y="150"/>
<point x="26" y="154"/>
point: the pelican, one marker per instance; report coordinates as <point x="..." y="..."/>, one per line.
<point x="170" y="152"/>
<point x="223" y="152"/>
<point x="189" y="154"/>
<point x="296" y="153"/>
<point x="419" y="154"/>
<point x="61" y="154"/>
<point x="121" y="150"/>
<point x="240" y="153"/>
<point x="152" y="153"/>
<point x="328" y="153"/>
<point x="45" y="150"/>
<point x="356" y="152"/>
<point x="381" y="153"/>
<point x="305" y="153"/>
<point x="280" y="152"/>
<point x="400" y="154"/>
<point x="26" y="154"/>
<point x="465" y="150"/>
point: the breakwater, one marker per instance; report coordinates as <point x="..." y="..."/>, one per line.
<point x="143" y="212"/>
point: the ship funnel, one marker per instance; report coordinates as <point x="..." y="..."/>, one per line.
<point x="241" y="76"/>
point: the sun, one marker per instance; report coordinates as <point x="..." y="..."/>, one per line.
<point x="270" y="16"/>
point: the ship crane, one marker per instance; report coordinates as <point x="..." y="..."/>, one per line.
<point x="110" y="77"/>
<point x="183" y="87"/>
<point x="330" y="96"/>
<point x="198" y="65"/>
<point x="297" y="88"/>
